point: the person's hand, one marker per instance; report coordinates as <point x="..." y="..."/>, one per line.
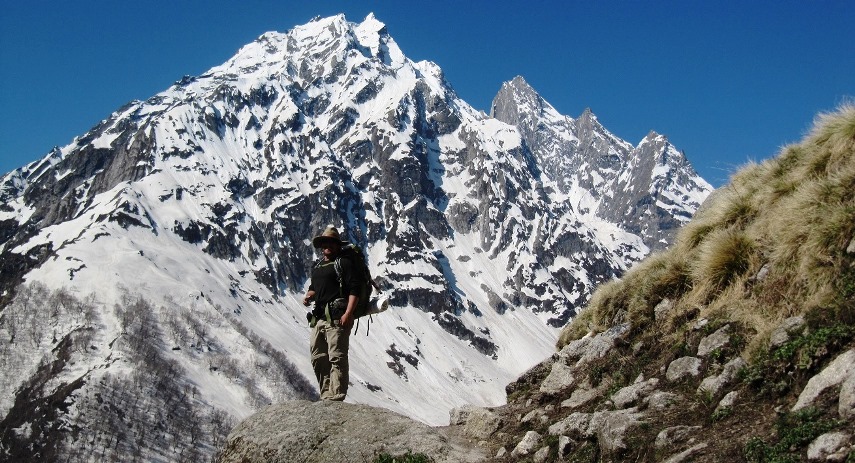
<point x="346" y="320"/>
<point x="307" y="299"/>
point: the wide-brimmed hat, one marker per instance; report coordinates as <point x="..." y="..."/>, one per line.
<point x="330" y="234"/>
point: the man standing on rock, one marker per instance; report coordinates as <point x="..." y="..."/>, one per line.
<point x="334" y="287"/>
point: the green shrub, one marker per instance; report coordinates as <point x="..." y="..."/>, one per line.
<point x="795" y="431"/>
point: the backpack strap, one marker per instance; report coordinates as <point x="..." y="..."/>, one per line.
<point x="339" y="272"/>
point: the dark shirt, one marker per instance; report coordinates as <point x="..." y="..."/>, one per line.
<point x="326" y="287"/>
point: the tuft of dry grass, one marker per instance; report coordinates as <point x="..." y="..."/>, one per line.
<point x="723" y="257"/>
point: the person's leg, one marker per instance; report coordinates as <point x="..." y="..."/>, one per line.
<point x="338" y="340"/>
<point x="319" y="349"/>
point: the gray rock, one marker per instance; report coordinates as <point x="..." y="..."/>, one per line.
<point x="602" y="343"/>
<point x="835" y="374"/>
<point x="675" y="435"/>
<point x="501" y="453"/>
<point x="575" y="425"/>
<point x="592" y="347"/>
<point x="460" y="415"/>
<point x="632" y="394"/>
<point x="687" y="455"/>
<point x="715" y="384"/>
<point x="482" y="423"/>
<point x="560" y="377"/>
<point x="583" y="394"/>
<point x="537" y="416"/>
<point x="564" y="446"/>
<point x="682" y="368"/>
<point x="833" y="446"/>
<point x="783" y="332"/>
<point x="851" y="248"/>
<point x="662" y="309"/>
<point x="575" y="349"/>
<point x="541" y="455"/>
<point x="761" y="274"/>
<point x="700" y="324"/>
<point x="661" y="400"/>
<point x="612" y="428"/>
<point x="527" y="445"/>
<point x="846" y="406"/>
<point x="337" y="432"/>
<point x="727" y="401"/>
<point x="714" y="341"/>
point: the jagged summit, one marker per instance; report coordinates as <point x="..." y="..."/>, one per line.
<point x="202" y="200"/>
<point x="632" y="186"/>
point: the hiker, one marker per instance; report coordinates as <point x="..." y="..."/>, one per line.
<point x="332" y="316"/>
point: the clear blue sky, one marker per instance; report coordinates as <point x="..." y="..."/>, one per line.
<point x="726" y="81"/>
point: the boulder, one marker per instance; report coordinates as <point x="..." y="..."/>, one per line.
<point x="714" y="341"/>
<point x="675" y="435"/>
<point x="687" y="455"/>
<point x="661" y="400"/>
<point x="832" y="446"/>
<point x="564" y="446"/>
<point x="715" y="384"/>
<point x="592" y="347"/>
<point x="613" y="427"/>
<point x="662" y="309"/>
<point x="632" y="394"/>
<point x="682" y="368"/>
<point x="527" y="445"/>
<point x="839" y="371"/>
<point x="728" y="401"/>
<point x="846" y="406"/>
<point x="787" y="328"/>
<point x="575" y="425"/>
<point x="541" y="455"/>
<point x="536" y="416"/>
<point x="481" y="423"/>
<point x="583" y="394"/>
<point x="338" y="432"/>
<point x="560" y="377"/>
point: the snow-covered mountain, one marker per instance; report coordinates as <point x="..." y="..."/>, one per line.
<point x="188" y="219"/>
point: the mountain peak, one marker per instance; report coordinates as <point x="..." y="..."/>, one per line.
<point x="517" y="97"/>
<point x="653" y="135"/>
<point x="520" y="83"/>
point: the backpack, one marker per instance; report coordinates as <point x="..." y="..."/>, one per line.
<point x="360" y="265"/>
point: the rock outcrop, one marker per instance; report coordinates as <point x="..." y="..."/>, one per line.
<point x="330" y="432"/>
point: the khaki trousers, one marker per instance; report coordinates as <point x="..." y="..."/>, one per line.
<point x="329" y="345"/>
